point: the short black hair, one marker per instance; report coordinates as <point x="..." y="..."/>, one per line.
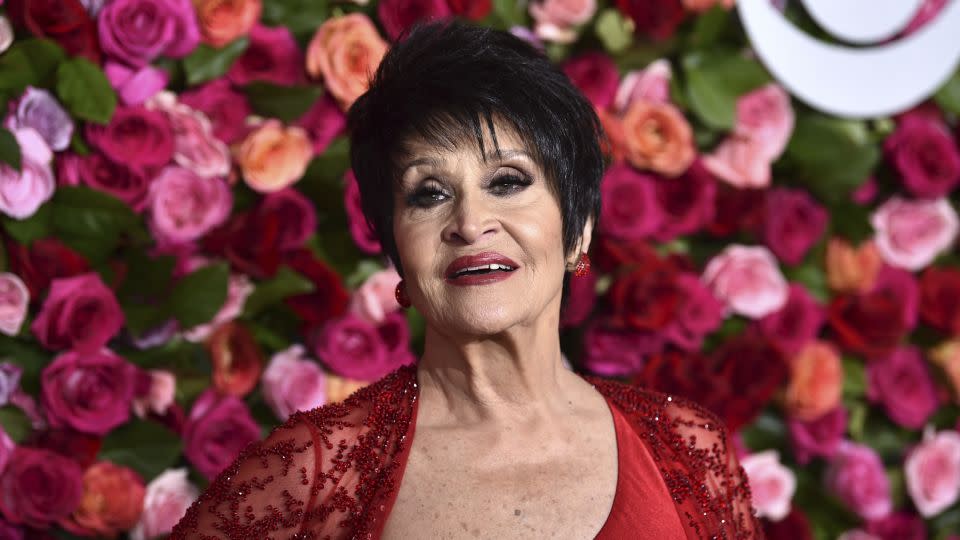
<point x="438" y="81"/>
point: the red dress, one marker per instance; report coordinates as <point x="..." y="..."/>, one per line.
<point x="333" y="472"/>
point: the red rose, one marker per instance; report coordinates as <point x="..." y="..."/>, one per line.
<point x="294" y="214"/>
<point x="735" y="382"/>
<point x="940" y="299"/>
<point x="471" y="9"/>
<point x="91" y="392"/>
<point x="658" y="19"/>
<point x="596" y="75"/>
<point x="136" y="136"/>
<point x="612" y="254"/>
<point x="736" y="210"/>
<point x="873" y="323"/>
<point x="45" y="260"/>
<point x="686" y="203"/>
<point x="646" y="298"/>
<point x="237" y="359"/>
<point x="127" y="183"/>
<point x="80" y="447"/>
<point x="611" y="352"/>
<point x="329" y="298"/>
<point x="398" y="15"/>
<point x="250" y="241"/>
<point x="226" y="108"/>
<point x="63" y="21"/>
<point x="39" y="488"/>
<point x="793" y="223"/>
<point x="79" y="313"/>
<point x="796" y="526"/>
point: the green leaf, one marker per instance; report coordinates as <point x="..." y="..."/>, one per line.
<point x="285" y="283"/>
<point x="812" y="277"/>
<point x="708" y="27"/>
<point x="510" y="12"/>
<point x="29" y="62"/>
<point x="948" y="96"/>
<point x="85" y="91"/>
<point x="9" y="149"/>
<point x="766" y="432"/>
<point x="146" y="447"/>
<point x="301" y="17"/>
<point x="32" y="228"/>
<point x="830" y="156"/>
<point x="206" y="63"/>
<point x="198" y="296"/>
<point x="614" y="30"/>
<point x="716" y="79"/>
<point x="15" y="423"/>
<point x="286" y="103"/>
<point x="854" y="378"/>
<point x="90" y="221"/>
<point x="29" y="356"/>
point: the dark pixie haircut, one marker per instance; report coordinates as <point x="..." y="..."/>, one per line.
<point x="437" y="82"/>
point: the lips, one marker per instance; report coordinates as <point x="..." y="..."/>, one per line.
<point x="480" y="268"/>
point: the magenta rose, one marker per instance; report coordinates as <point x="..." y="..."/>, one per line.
<point x="910" y="234"/>
<point x="686" y="203"/>
<point x="39" y="487"/>
<point x="226" y="108"/>
<point x="22" y="193"/>
<point x="218" y="428"/>
<point x="395" y="334"/>
<point x="796" y="323"/>
<point x="184" y="206"/>
<point x="360" y="230"/>
<point x="932" y="471"/>
<point x="38" y="109"/>
<point x="580" y="300"/>
<point x="79" y="313"/>
<point x="817" y="438"/>
<point x="925" y="155"/>
<point x="136" y="136"/>
<point x="398" y="15"/>
<point x="596" y="75"/>
<point x="292" y="382"/>
<point x="793" y="223"/>
<point x="296" y="217"/>
<point x="354" y="348"/>
<point x="272" y="56"/>
<point x="698" y="314"/>
<point x="898" y="526"/>
<point x="89" y="392"/>
<point x="135" y="85"/>
<point x="903" y="384"/>
<point x="138" y="31"/>
<point x="617" y="353"/>
<point x="629" y="208"/>
<point x="128" y="183"/>
<point x="857" y="477"/>
<point x="748" y="280"/>
<point x="323" y="122"/>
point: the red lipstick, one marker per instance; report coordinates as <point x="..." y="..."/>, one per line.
<point x="480" y="269"/>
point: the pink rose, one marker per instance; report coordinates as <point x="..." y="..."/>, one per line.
<point x="555" y="20"/>
<point x="184" y="206"/>
<point x="595" y="74"/>
<point x="218" y="428"/>
<point x="925" y="155"/>
<point x="617" y="353"/>
<point x="79" y="313"/>
<point x="903" y="384"/>
<point x="135" y="85"/>
<point x="820" y="437"/>
<point x="742" y="162"/>
<point x="796" y="323"/>
<point x="857" y="477"/>
<point x="88" y="392"/>
<point x="41" y="111"/>
<point x="399" y="15"/>
<point x="857" y="534"/>
<point x="39" y="487"/>
<point x="22" y="193"/>
<point x="165" y="502"/>
<point x="580" y="300"/>
<point x="649" y="84"/>
<point x="699" y="314"/>
<point x="161" y="386"/>
<point x="292" y="382"/>
<point x="323" y="123"/>
<point x="129" y="183"/>
<point x="629" y="207"/>
<point x="361" y="231"/>
<point x="239" y="287"/>
<point x="747" y="280"/>
<point x="910" y="234"/>
<point x="135" y="136"/>
<point x="195" y="147"/>
<point x="932" y="471"/>
<point x="226" y="108"/>
<point x="14" y="299"/>
<point x="765" y="117"/>
<point x="792" y="224"/>
<point x="272" y="56"/>
<point x="771" y="484"/>
<point x="138" y="31"/>
<point x="375" y="298"/>
<point x="352" y="347"/>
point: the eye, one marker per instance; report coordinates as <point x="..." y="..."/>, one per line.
<point x="426" y="196"/>
<point x="508" y="184"/>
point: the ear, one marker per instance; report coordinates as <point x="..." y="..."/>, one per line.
<point x="584" y="244"/>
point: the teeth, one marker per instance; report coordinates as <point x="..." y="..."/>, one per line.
<point x="494" y="266"/>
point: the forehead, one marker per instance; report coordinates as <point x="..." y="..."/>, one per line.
<point x="463" y="144"/>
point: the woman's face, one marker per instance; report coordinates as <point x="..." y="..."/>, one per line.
<point x="457" y="214"/>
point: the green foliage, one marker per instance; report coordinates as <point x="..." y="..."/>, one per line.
<point x="284" y="284"/>
<point x="30" y="62"/>
<point x="146" y="447"/>
<point x="9" y="149"/>
<point x="301" y="17"/>
<point x="613" y="30"/>
<point x="286" y="103"/>
<point x="198" y="296"/>
<point x="92" y="222"/>
<point x="15" y="423"/>
<point x="85" y="91"/>
<point x="206" y="63"/>
<point x="948" y="96"/>
<point x="715" y="79"/>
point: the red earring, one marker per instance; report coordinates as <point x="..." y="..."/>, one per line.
<point x="400" y="293"/>
<point x="583" y="266"/>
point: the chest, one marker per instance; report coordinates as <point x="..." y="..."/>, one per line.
<point x="465" y="487"/>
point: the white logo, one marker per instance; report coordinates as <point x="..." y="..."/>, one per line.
<point x="857" y="82"/>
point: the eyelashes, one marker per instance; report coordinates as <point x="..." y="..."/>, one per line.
<point x="430" y="195"/>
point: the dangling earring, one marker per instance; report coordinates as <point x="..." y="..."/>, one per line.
<point x="583" y="266"/>
<point x="400" y="293"/>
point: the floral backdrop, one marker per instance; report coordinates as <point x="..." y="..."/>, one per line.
<point x="184" y="263"/>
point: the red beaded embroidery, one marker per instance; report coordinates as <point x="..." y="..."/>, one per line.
<point x="346" y="461"/>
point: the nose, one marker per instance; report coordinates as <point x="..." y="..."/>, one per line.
<point x="472" y="221"/>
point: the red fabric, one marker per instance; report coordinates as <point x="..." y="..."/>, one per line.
<point x="333" y="472"/>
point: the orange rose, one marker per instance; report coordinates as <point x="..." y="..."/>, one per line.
<point x="111" y="503"/>
<point x="346" y="52"/>
<point x="614" y="145"/>
<point x="699" y="6"/>
<point x="852" y="269"/>
<point x="658" y="137"/>
<point x="222" y="21"/>
<point x="237" y="359"/>
<point x="274" y="156"/>
<point x="816" y="380"/>
<point x="339" y="388"/>
<point x="947" y="357"/>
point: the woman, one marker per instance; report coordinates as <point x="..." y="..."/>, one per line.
<point x="479" y="167"/>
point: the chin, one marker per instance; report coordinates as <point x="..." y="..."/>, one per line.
<point x="474" y="318"/>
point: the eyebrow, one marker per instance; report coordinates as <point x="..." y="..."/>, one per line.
<point x="434" y="162"/>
